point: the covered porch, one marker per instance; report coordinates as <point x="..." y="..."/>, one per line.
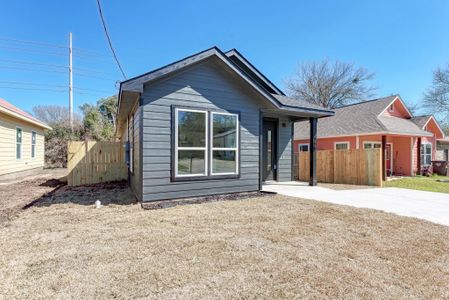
<point x="277" y="163"/>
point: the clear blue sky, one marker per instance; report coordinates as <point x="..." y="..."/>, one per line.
<point x="401" y="41"/>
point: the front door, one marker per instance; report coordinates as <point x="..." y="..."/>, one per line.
<point x="388" y="161"/>
<point x="269" y="142"/>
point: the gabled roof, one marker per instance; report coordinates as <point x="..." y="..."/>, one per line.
<point x="9" y="109"/>
<point x="136" y="84"/>
<point x="421" y="121"/>
<point x="288" y="101"/>
<point x="362" y="118"/>
<point x="239" y="60"/>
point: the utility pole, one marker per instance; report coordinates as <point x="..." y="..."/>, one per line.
<point x="70" y="82"/>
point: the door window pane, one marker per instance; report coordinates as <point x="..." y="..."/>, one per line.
<point x="191" y="129"/>
<point x="269" y="151"/>
<point x="224" y="130"/>
<point x="224" y="161"/>
<point x="191" y="162"/>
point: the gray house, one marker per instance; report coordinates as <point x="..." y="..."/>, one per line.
<point x="208" y="124"/>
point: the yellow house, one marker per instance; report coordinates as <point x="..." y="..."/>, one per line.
<point x="21" y="142"/>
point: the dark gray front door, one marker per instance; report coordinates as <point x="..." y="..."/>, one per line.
<point x="269" y="142"/>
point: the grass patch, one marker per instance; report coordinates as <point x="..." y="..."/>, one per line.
<point x="261" y="248"/>
<point x="421" y="183"/>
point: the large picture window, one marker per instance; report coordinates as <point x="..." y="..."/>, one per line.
<point x="426" y="154"/>
<point x="206" y="144"/>
<point x="224" y="150"/>
<point x="190" y="142"/>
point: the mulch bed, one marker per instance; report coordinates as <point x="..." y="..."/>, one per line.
<point x="197" y="200"/>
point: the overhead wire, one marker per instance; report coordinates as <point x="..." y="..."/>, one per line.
<point x="109" y="39"/>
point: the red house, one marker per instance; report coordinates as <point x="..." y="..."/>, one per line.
<point x="410" y="142"/>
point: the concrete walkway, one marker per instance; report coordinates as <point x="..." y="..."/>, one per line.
<point x="430" y="206"/>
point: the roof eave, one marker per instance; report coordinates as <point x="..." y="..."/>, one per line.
<point x="23" y="118"/>
<point x="254" y="70"/>
<point x="136" y="84"/>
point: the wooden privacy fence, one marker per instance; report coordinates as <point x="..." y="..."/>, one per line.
<point x="358" y="167"/>
<point x="94" y="162"/>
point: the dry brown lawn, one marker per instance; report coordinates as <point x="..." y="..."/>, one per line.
<point x="269" y="247"/>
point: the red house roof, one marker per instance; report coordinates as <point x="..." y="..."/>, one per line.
<point x="10" y="109"/>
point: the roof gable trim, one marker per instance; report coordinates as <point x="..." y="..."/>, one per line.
<point x="403" y="104"/>
<point x="253" y="69"/>
<point x="438" y="125"/>
<point x="23" y="118"/>
<point x="136" y="84"/>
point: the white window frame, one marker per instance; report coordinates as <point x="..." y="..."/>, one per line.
<point x="33" y="153"/>
<point x="301" y="145"/>
<point x="177" y="175"/>
<point x="421" y="154"/>
<point x="391" y="107"/>
<point x="21" y="143"/>
<point x="236" y="148"/>
<point x="372" y="144"/>
<point x="347" y="143"/>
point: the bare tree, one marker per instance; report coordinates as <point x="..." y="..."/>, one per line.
<point x="330" y="85"/>
<point x="55" y="115"/>
<point x="436" y="98"/>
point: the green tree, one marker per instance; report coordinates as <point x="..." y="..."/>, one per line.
<point x="100" y="120"/>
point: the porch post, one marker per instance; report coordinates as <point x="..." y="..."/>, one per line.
<point x="384" y="163"/>
<point x="312" y="151"/>
<point x="419" y="156"/>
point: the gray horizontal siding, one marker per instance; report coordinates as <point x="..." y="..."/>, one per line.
<point x="202" y="86"/>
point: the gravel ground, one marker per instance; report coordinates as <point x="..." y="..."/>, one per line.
<point x="269" y="247"/>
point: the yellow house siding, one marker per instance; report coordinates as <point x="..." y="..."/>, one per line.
<point x="8" y="162"/>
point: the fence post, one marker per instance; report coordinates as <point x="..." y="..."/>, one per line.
<point x="312" y="149"/>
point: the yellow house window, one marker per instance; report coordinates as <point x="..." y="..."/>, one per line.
<point x="33" y="144"/>
<point x="18" y="143"/>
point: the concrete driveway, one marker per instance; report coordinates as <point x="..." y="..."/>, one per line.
<point x="430" y="206"/>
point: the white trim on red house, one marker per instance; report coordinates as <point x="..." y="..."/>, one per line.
<point x="371" y="133"/>
<point x="438" y="125"/>
<point x="403" y="104"/>
<point x="391" y="157"/>
<point x="342" y="143"/>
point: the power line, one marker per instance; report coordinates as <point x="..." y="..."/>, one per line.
<point x="23" y="62"/>
<point x="109" y="38"/>
<point x="31" y="70"/>
<point x="31" y="83"/>
<point x="17" y="41"/>
<point x="32" y="89"/>
<point x="49" y="45"/>
<point x="48" y="90"/>
<point x="24" y="84"/>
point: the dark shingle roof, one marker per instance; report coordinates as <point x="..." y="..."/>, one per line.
<point x="360" y="118"/>
<point x="420" y="120"/>
<point x="297" y="103"/>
